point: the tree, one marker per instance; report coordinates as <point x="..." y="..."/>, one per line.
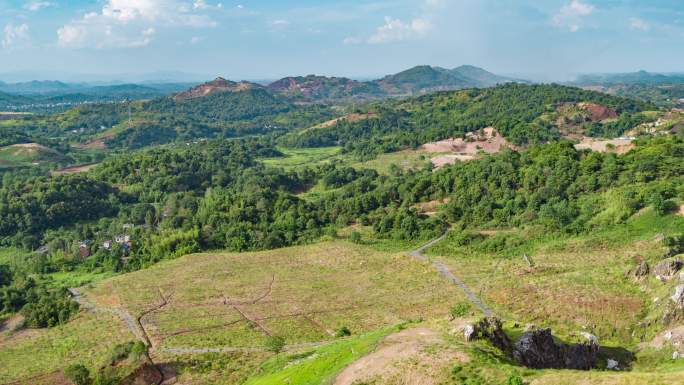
<point x="5" y="275"/>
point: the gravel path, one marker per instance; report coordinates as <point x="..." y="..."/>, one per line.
<point x="121" y="313"/>
<point x="446" y="273"/>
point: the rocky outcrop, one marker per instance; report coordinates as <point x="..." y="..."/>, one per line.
<point x="668" y="268"/>
<point x="538" y="349"/>
<point x="490" y="328"/>
<point x="642" y="270"/>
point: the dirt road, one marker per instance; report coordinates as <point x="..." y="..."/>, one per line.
<point x="446" y="273"/>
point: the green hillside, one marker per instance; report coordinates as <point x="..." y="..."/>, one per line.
<point x="519" y="112"/>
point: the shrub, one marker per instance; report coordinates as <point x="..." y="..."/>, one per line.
<point x="514" y="379"/>
<point x="343" y="332"/>
<point x="355" y="237"/>
<point x="275" y="344"/>
<point x="78" y="374"/>
<point x="459" y="310"/>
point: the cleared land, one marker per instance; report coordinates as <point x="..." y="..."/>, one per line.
<point x="297" y="157"/>
<point x="303" y="294"/>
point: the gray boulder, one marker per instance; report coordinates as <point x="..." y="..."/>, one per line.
<point x="538" y="350"/>
<point x="668" y="268"/>
<point x="642" y="270"/>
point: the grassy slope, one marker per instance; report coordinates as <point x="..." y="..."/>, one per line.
<point x="298" y="157"/>
<point x="317" y="366"/>
<point x="86" y="339"/>
<point x="315" y="290"/>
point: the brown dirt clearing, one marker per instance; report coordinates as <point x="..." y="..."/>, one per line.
<point x="618" y="146"/>
<point x="406" y="357"/>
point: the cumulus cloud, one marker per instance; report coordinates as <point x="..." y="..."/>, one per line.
<point x="15" y="36"/>
<point x="396" y="30"/>
<point x="570" y="15"/>
<point x="132" y="23"/>
<point x="639" y="24"/>
<point x="38" y="5"/>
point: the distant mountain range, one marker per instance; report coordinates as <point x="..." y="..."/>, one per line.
<point x="314" y="88"/>
<point x="44" y="95"/>
<point x="640" y="77"/>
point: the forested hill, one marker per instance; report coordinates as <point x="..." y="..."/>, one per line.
<point x="524" y="114"/>
<point x="162" y="120"/>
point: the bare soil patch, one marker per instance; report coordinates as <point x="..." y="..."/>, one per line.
<point x="75" y="169"/>
<point x="349" y="118"/>
<point x="94" y="144"/>
<point x="412" y="356"/>
<point x="680" y="210"/>
<point x="618" y="146"/>
<point x="598" y="112"/>
<point x="54" y="378"/>
<point x="487" y="140"/>
<point x="445" y="160"/>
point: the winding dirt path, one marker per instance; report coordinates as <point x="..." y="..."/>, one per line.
<point x="446" y="273"/>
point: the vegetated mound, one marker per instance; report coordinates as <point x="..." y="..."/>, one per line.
<point x="321" y="88"/>
<point x="29" y="152"/>
<point x="215" y="86"/>
<point x="423" y="79"/>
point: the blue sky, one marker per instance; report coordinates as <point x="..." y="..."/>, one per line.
<point x="248" y="39"/>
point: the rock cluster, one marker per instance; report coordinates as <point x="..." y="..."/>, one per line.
<point x="668" y="268"/>
<point x="537" y="348"/>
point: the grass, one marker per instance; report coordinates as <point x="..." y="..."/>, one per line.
<point x="317" y="366"/>
<point x="297" y="157"/>
<point x="87" y="339"/>
<point x="76" y="278"/>
<point x="301" y="293"/>
<point x="407" y="160"/>
<point x="576" y="283"/>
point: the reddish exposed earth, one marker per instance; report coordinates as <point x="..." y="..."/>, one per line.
<point x="215" y="86"/>
<point x="487" y="140"/>
<point x="598" y="112"/>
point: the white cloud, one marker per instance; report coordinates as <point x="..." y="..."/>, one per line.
<point x="639" y="24"/>
<point x="38" y="5"/>
<point x="396" y="30"/>
<point x="202" y="4"/>
<point x="570" y="16"/>
<point x="132" y="23"/>
<point x="15" y="36"/>
<point x="280" y="23"/>
<point x="352" y="40"/>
